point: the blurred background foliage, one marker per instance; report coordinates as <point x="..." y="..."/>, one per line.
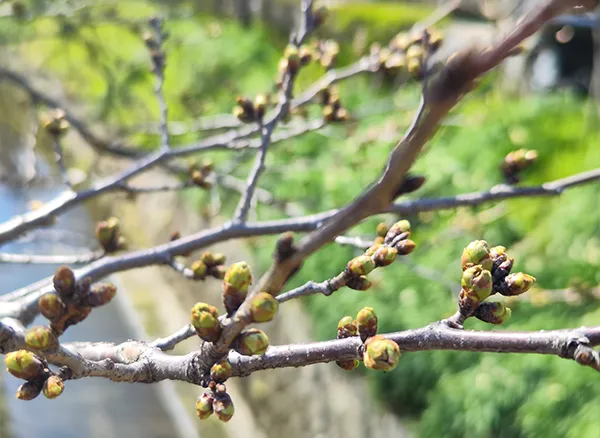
<point x="97" y="55"/>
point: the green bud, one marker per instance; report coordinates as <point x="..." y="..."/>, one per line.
<point x="29" y="390"/>
<point x="64" y="282"/>
<point x="382" y="229"/>
<point x="219" y="258"/>
<point x="260" y="105"/>
<point x="239" y="276"/>
<point x="252" y="342"/>
<point x="414" y="66"/>
<point x="366" y="320"/>
<point x="476" y="253"/>
<point x="290" y="50"/>
<point x="108" y="234"/>
<point x="361" y="265"/>
<point x="415" y="51"/>
<point x="205" y="321"/>
<point x="381" y="353"/>
<point x="238" y="279"/>
<point x="204" y="406"/>
<point x="208" y="258"/>
<point x="477" y="282"/>
<point x="373" y="249"/>
<point x="263" y="307"/>
<point x="494" y="313"/>
<point x="53" y="387"/>
<point x="223" y="407"/>
<point x="241" y="114"/>
<point x="203" y="307"/>
<point x="101" y="294"/>
<point x="385" y="256"/>
<point x="41" y="338"/>
<point x="398" y="228"/>
<point x="24" y="365"/>
<point x="306" y="55"/>
<point x="51" y="306"/>
<point x="207" y="166"/>
<point x="359" y="283"/>
<point x="220" y="371"/>
<point x="199" y="270"/>
<point x="405" y="247"/>
<point x="497" y="252"/>
<point x="348" y="364"/>
<point x="519" y="283"/>
<point x="347" y="327"/>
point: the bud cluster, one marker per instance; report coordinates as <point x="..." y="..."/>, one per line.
<point x="379" y="353"/>
<point x="325" y="52"/>
<point x="72" y="301"/>
<point x="515" y="162"/>
<point x="210" y="264"/>
<point x="199" y="173"/>
<point x="332" y="106"/>
<point x="486" y="271"/>
<point x="55" y="123"/>
<point x="108" y="233"/>
<point x="248" y="111"/>
<point x="215" y="400"/>
<point x="406" y="54"/>
<point x="28" y="366"/>
<point x="390" y="243"/>
<point x="293" y="58"/>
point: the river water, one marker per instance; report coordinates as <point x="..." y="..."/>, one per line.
<point x="88" y="407"/>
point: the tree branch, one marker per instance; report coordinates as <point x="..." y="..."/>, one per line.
<point x="139" y="362"/>
<point x="75" y="259"/>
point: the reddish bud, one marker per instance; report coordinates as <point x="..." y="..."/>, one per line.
<point x="101" y="294"/>
<point x="51" y="306"/>
<point x="41" y="338"/>
<point x="64" y="282"/>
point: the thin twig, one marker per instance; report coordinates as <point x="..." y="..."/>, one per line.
<point x="169" y="342"/>
<point x="158" y="68"/>
<point x="134" y="190"/>
<point x="75" y="259"/>
<point x="181" y="268"/>
<point x="241" y="212"/>
<point x="282" y="108"/>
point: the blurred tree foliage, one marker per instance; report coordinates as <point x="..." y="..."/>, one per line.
<point x="98" y="55"/>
